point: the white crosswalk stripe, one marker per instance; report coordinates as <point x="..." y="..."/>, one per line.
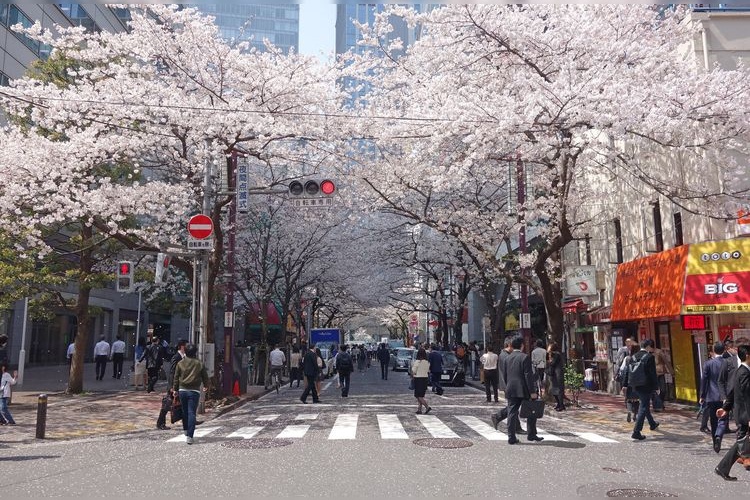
<point x="345" y="427"/>
<point x="390" y="426"/>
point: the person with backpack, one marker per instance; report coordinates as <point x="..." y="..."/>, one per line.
<point x="345" y="366"/>
<point x="631" y="398"/>
<point x="641" y="375"/>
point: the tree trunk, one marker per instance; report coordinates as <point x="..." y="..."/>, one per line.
<point x="75" y="379"/>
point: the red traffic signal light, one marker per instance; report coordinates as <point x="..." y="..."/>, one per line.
<point x="124" y="276"/>
<point x="124" y="268"/>
<point x="327" y="187"/>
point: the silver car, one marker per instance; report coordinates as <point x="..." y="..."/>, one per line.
<point x="402" y="357"/>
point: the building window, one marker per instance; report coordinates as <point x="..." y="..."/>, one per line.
<point x="658" y="234"/>
<point x="617" y="229"/>
<point x="4" y="80"/>
<point x="78" y="16"/>
<point x="678" y="239"/>
<point x="15" y="16"/>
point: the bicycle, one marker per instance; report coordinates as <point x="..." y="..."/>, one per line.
<point x="274" y="378"/>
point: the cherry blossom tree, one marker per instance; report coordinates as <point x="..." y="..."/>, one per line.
<point x="576" y="99"/>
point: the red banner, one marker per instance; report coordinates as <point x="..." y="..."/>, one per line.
<point x="718" y="292"/>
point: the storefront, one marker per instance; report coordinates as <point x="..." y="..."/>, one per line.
<point x="685" y="299"/>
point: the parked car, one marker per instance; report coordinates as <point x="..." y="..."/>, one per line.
<point x="328" y="358"/>
<point x="402" y="357"/>
<point x="453" y="370"/>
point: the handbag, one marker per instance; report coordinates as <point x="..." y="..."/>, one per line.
<point x="481" y="375"/>
<point x="411" y="383"/>
<point x="531" y="408"/>
<point x="176" y="409"/>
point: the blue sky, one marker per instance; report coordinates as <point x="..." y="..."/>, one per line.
<point x="317" y="28"/>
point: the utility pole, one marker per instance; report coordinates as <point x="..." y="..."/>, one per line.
<point x="229" y="297"/>
<point x="524" y="319"/>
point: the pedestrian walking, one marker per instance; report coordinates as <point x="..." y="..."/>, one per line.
<point x="189" y="375"/>
<point x="361" y="355"/>
<point x="166" y="402"/>
<point x="489" y="365"/>
<point x="6" y="381"/>
<point x="71" y="352"/>
<point x="344" y="367"/>
<point x="384" y="356"/>
<point x="731" y="363"/>
<point x="139" y="365"/>
<point x="539" y="362"/>
<point x="321" y="369"/>
<point x="502" y="414"/>
<point x="295" y="366"/>
<point x="153" y="357"/>
<point x="420" y="370"/>
<point x="101" y="354"/>
<point x="641" y="375"/>
<point x="117" y="355"/>
<point x="520" y="385"/>
<point x="474" y="357"/>
<point x="436" y="369"/>
<point x="663" y="368"/>
<point x="631" y="398"/>
<point x="556" y="375"/>
<point x="310" y="370"/>
<point x="713" y="390"/>
<point x="738" y="400"/>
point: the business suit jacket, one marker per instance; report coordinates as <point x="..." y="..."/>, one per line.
<point x="713" y="390"/>
<point x="739" y="396"/>
<point x="519" y="376"/>
<point x="310" y="364"/>
<point x="500" y="363"/>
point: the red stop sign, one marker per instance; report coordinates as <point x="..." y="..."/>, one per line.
<point x="200" y="226"/>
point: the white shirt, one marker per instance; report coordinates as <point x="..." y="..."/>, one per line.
<point x="277" y="357"/>
<point x="539" y="357"/>
<point x="489" y="360"/>
<point x="6" y="381"/>
<point x="101" y="348"/>
<point x="118" y="347"/>
<point x="71" y="349"/>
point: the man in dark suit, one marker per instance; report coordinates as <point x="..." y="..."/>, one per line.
<point x="310" y="370"/>
<point x="644" y="387"/>
<point x="739" y="400"/>
<point x="520" y="384"/>
<point x="503" y="413"/>
<point x="714" y="390"/>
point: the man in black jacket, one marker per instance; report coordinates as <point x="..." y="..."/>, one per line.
<point x="738" y="399"/>
<point x="310" y="370"/>
<point x="644" y="382"/>
<point x="520" y="385"/>
<point x="384" y="356"/>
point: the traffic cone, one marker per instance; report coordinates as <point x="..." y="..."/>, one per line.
<point x="236" y="388"/>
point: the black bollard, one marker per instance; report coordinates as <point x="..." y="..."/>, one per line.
<point x="41" y="416"/>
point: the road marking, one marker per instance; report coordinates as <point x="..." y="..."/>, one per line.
<point x="199" y="432"/>
<point x="267" y="418"/>
<point x="245" y="432"/>
<point x="293" y="431"/>
<point x="594" y="438"/>
<point x="482" y="428"/>
<point x="391" y="428"/>
<point x="547" y="436"/>
<point x="435" y="427"/>
<point x="306" y="416"/>
<point x="345" y="427"/>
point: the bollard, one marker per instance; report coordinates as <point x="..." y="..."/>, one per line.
<point x="41" y="416"/>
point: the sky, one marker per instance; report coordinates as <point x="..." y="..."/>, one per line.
<point x="317" y="28"/>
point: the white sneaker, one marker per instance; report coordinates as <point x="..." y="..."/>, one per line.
<point x="188" y="440"/>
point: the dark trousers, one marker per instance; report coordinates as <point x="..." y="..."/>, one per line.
<point x="733" y="453"/>
<point x="153" y="376"/>
<point x="189" y="401"/>
<point x="658" y="399"/>
<point x="540" y="379"/>
<point x="435" y="377"/>
<point x="344" y="380"/>
<point x="295" y="374"/>
<point x="514" y="421"/>
<point x="117" y="360"/>
<point x="384" y="370"/>
<point x="166" y="405"/>
<point x="101" y="365"/>
<point x="490" y="380"/>
<point x="308" y="388"/>
<point x="644" y="410"/>
<point x="711" y="407"/>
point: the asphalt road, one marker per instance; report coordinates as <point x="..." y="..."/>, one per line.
<point x="369" y="445"/>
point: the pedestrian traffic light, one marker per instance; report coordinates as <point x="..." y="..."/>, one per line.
<point x="162" y="268"/>
<point x="124" y="276"/>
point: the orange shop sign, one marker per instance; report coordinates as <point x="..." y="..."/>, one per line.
<point x="650" y="287"/>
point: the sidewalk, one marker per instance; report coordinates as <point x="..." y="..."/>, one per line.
<point x="106" y="407"/>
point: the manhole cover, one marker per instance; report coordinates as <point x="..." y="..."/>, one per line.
<point x="448" y="444"/>
<point x="637" y="493"/>
<point x="256" y="444"/>
<point x="613" y="469"/>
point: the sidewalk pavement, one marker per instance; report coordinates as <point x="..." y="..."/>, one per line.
<point x="106" y="407"/>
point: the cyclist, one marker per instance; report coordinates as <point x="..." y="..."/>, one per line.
<point x="277" y="360"/>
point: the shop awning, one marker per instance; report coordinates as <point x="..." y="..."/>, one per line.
<point x="600" y="315"/>
<point x="650" y="287"/>
<point x="574" y="305"/>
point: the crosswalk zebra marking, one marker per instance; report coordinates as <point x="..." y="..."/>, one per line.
<point x="306" y="416"/>
<point x="391" y="428"/>
<point x="594" y="438"/>
<point x="345" y="427"/>
<point x="199" y="432"/>
<point x="436" y="427"/>
<point x="245" y="432"/>
<point x="482" y="428"/>
<point x="547" y="436"/>
<point x="267" y="418"/>
<point x="293" y="432"/>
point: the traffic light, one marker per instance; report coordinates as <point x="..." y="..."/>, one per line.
<point x="312" y="193"/>
<point x="162" y="268"/>
<point x="124" y="276"/>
